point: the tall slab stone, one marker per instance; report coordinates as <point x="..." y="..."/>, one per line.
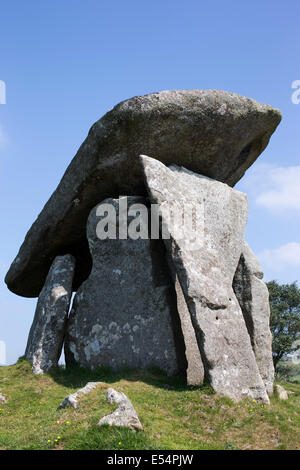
<point x="195" y="368"/>
<point x="205" y="266"/>
<point x="125" y="313"/>
<point x="253" y="296"/>
<point x="46" y="335"/>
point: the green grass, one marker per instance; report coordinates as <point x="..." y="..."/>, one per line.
<point x="174" y="416"/>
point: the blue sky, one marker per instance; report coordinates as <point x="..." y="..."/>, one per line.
<point x="65" y="63"/>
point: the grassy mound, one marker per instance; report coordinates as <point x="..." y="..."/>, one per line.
<point x="174" y="416"/>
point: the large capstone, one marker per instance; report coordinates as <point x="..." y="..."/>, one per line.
<point x="205" y="246"/>
<point x="215" y="133"/>
<point x="253" y="296"/>
<point x="125" y="313"/>
<point x="46" y="335"/>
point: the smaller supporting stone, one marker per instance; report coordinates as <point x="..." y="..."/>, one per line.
<point x="195" y="368"/>
<point x="48" y="328"/>
<point x="253" y="296"/>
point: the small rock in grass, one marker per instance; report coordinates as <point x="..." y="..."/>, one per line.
<point x="281" y="392"/>
<point x="3" y="399"/>
<point x="125" y="415"/>
<point x="71" y="400"/>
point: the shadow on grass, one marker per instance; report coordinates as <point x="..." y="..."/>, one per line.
<point x="77" y="376"/>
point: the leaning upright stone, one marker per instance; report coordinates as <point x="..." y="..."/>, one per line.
<point x="48" y="328"/>
<point x="205" y="258"/>
<point x="195" y="368"/>
<point x="253" y="296"/>
<point x="125" y="313"/>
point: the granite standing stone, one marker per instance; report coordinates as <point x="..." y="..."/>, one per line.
<point x="195" y="368"/>
<point x="205" y="261"/>
<point x="48" y="328"/>
<point x="253" y="296"/>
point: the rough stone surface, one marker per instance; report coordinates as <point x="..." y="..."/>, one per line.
<point x="2" y="399"/>
<point x="71" y="401"/>
<point x="195" y="369"/>
<point x="125" y="313"/>
<point x="206" y="274"/>
<point x="125" y="415"/>
<point x="253" y="296"/>
<point x="46" y="335"/>
<point x="281" y="392"/>
<point x="215" y="133"/>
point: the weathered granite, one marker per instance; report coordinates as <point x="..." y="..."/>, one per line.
<point x="71" y="401"/>
<point x="125" y="313"/>
<point x="195" y="368"/>
<point x="281" y="392"/>
<point x="206" y="269"/>
<point x="46" y="335"/>
<point x="212" y="132"/>
<point x="253" y="296"/>
<point x="125" y="415"/>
